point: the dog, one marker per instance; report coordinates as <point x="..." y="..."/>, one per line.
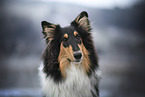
<point x="70" y="63"/>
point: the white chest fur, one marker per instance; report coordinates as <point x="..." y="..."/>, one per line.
<point x="76" y="84"/>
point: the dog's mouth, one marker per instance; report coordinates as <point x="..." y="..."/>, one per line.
<point x="68" y="59"/>
<point x="76" y="60"/>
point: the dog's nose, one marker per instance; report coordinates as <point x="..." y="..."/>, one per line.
<point x="77" y="55"/>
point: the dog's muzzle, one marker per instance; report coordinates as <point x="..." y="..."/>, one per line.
<point x="78" y="56"/>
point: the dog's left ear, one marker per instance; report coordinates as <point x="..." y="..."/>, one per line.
<point x="82" y="21"/>
<point x="49" y="30"/>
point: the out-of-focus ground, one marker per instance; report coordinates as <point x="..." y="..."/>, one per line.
<point x="119" y="37"/>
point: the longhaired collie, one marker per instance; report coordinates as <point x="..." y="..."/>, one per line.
<point x="70" y="65"/>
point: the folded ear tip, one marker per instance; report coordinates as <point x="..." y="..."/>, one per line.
<point x="44" y="23"/>
<point x="84" y="13"/>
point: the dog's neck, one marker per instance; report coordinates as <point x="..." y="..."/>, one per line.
<point x="76" y="82"/>
<point x="75" y="71"/>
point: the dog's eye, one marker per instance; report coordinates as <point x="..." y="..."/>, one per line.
<point x="65" y="42"/>
<point x="78" y="37"/>
<point x="65" y="39"/>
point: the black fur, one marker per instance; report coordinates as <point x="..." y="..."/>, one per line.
<point x="50" y="57"/>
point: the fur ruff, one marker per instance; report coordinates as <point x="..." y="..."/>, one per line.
<point x="77" y="83"/>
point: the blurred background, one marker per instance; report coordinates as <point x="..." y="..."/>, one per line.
<point x="118" y="32"/>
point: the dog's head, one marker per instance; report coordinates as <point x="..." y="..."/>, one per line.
<point x="73" y="42"/>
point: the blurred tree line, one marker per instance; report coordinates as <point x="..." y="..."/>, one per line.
<point x="18" y="34"/>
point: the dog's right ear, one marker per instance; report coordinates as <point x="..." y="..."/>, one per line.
<point x="82" y="21"/>
<point x="48" y="30"/>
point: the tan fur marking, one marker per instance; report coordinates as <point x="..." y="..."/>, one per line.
<point x="84" y="23"/>
<point x="64" y="54"/>
<point x="65" y="36"/>
<point x="85" y="61"/>
<point x="77" y="19"/>
<point x="49" y="30"/>
<point x="49" y="33"/>
<point x="67" y="53"/>
<point x="54" y="26"/>
<point x="75" y="33"/>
